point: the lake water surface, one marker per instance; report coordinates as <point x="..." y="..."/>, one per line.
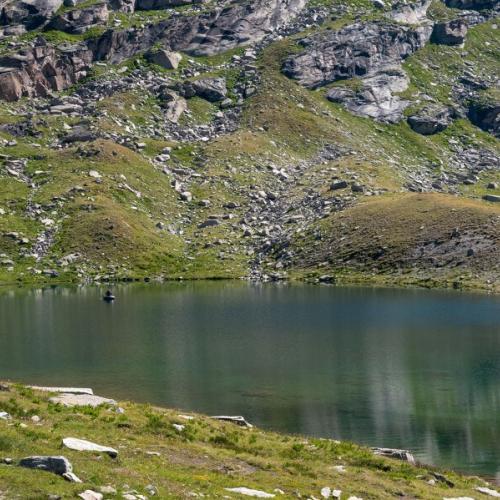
<point x="412" y="369"/>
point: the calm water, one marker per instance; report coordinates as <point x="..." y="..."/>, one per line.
<point x="413" y="369"/>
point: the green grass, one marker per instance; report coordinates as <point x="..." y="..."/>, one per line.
<point x="205" y="458"/>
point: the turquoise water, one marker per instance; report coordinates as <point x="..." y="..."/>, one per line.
<point x="412" y="369"/>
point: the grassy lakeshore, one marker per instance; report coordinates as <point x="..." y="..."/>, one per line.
<point x="203" y="457"/>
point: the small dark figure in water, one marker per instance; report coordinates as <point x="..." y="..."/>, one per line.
<point x="108" y="296"/>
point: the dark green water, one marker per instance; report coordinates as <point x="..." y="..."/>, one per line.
<point x="412" y="369"/>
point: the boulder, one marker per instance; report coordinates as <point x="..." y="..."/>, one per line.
<point x="449" y="32"/>
<point x="90" y="495"/>
<point x="83" y="445"/>
<point x="395" y="453"/>
<point x="79" y="134"/>
<point x="173" y="104"/>
<point x="164" y="58"/>
<point x="492" y="197"/>
<point x="431" y="120"/>
<point x="211" y="89"/>
<point x="56" y="464"/>
<point x="485" y="114"/>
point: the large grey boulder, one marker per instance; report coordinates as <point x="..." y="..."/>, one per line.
<point x="164" y="58"/>
<point x="83" y="445"/>
<point x="486" y="115"/>
<point x="358" y="50"/>
<point x="450" y="32"/>
<point x="174" y="105"/>
<point x="56" y="464"/>
<point x="431" y="119"/>
<point x="211" y="89"/>
<point x="31" y="13"/>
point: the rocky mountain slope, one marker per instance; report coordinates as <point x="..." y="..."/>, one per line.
<point x="285" y="139"/>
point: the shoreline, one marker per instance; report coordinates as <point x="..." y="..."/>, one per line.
<point x="257" y="459"/>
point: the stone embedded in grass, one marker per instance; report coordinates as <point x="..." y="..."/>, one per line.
<point x="4" y="415"/>
<point x="250" y="492"/>
<point x="57" y="464"/>
<point x="83" y="445"/>
<point x="492" y="197"/>
<point x="70" y="400"/>
<point x="488" y="491"/>
<point x="179" y="427"/>
<point x="91" y="495"/>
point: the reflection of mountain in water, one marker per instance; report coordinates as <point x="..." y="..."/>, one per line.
<point x="411" y="369"/>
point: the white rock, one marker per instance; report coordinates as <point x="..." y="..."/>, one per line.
<point x="68" y="390"/>
<point x="458" y="498"/>
<point x="179" y="427"/>
<point x="83" y="445"/>
<point x="95" y="174"/>
<point x="90" y="495"/>
<point x="354" y="498"/>
<point x="108" y="490"/>
<point x="326" y="492"/>
<point x="81" y="400"/>
<point x="4" y="415"/>
<point x="488" y="491"/>
<point x="186" y="417"/>
<point x="250" y="493"/>
<point x="336" y="493"/>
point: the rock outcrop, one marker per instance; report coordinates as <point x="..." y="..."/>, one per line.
<point x="37" y="70"/>
<point x="372" y="52"/>
<point x="472" y="4"/>
<point x="486" y="115"/>
<point x="30" y="13"/>
<point x="80" y="20"/>
<point x="357" y="50"/>
<point x="431" y="120"/>
<point x="450" y="32"/>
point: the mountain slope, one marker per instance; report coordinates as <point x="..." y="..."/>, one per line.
<point x="269" y="140"/>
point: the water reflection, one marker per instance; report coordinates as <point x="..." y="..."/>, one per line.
<point x="395" y="368"/>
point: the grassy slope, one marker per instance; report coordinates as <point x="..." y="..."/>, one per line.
<point x="204" y="458"/>
<point x="283" y="124"/>
<point x="421" y="239"/>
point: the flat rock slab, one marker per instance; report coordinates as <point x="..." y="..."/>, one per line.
<point x="404" y="455"/>
<point x="250" y="493"/>
<point x="238" y="420"/>
<point x="81" y="400"/>
<point x="91" y="495"/>
<point x="83" y="445"/>
<point x="66" y="390"/>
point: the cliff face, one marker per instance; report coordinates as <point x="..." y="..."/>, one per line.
<point x="236" y="138"/>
